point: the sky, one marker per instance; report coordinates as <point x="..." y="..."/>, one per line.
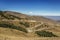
<point x="32" y="7"/>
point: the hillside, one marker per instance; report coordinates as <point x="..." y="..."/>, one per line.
<point x="16" y="24"/>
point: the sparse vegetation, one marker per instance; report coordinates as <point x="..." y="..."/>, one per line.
<point x="6" y="25"/>
<point x="8" y="16"/>
<point x="24" y="27"/>
<point x="26" y="24"/>
<point x="45" y="34"/>
<point x="13" y="17"/>
<point x="1" y="13"/>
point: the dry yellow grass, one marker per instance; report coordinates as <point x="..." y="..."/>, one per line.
<point x="12" y="34"/>
<point x="27" y="38"/>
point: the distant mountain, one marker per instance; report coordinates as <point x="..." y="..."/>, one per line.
<point x="53" y="17"/>
<point x="58" y="21"/>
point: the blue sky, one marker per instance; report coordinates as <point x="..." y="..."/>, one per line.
<point x="32" y="7"/>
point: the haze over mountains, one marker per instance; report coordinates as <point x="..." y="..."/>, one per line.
<point x="15" y="24"/>
<point x="54" y="17"/>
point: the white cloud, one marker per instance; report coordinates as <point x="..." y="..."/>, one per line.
<point x="30" y="12"/>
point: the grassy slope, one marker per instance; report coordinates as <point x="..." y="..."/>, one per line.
<point x="11" y="32"/>
<point x="7" y="33"/>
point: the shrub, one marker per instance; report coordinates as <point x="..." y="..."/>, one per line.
<point x="6" y="25"/>
<point x="45" y="34"/>
<point x="26" y="24"/>
<point x="8" y="16"/>
<point x="14" y="16"/>
<point x="1" y="13"/>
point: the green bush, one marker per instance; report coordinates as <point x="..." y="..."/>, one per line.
<point x="1" y="13"/>
<point x="12" y="16"/>
<point x="6" y="25"/>
<point x="8" y="16"/>
<point x="45" y="34"/>
<point x="26" y="24"/>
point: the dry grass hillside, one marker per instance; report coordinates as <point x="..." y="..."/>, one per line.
<point x="18" y="26"/>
